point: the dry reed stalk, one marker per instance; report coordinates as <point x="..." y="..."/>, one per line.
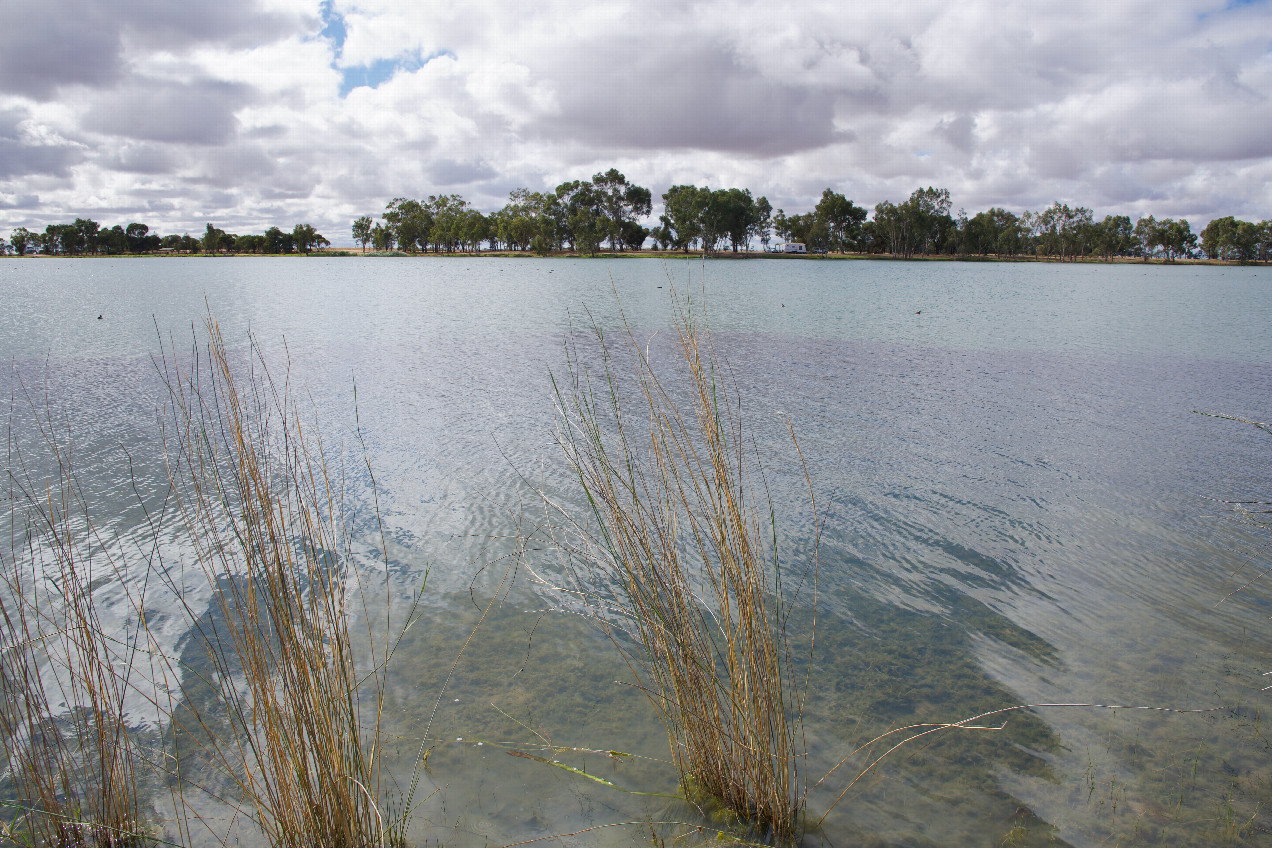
<point x="269" y="532"/>
<point x="675" y="560"/>
<point x="68" y="752"/>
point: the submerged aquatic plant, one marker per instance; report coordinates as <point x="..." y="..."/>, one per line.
<point x="676" y="557"/>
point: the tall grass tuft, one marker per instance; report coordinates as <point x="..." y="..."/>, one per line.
<point x="677" y="557"/>
<point x="68" y="756"/>
<point x="266" y="517"/>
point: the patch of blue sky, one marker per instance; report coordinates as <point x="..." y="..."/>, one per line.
<point x="1233" y="6"/>
<point x="333" y="26"/>
<point x="378" y="71"/>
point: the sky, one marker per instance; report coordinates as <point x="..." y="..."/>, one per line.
<point x="252" y="113"/>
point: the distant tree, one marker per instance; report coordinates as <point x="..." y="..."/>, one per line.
<point x="137" y="237"/>
<point x="730" y="213"/>
<point x="86" y="232"/>
<point x="410" y="223"/>
<point x="633" y="235"/>
<point x="249" y="244"/>
<point x="113" y="241"/>
<point x="362" y="231"/>
<point x="586" y="223"/>
<point x="621" y="203"/>
<point x="277" y="241"/>
<point x="1218" y="236"/>
<point x="1114" y="236"/>
<point x="381" y="237"/>
<point x="1177" y="238"/>
<point x="763" y="225"/>
<point x="841" y="219"/>
<point x="212" y="239"/>
<point x="682" y="215"/>
<point x="1148" y="235"/>
<point x="60" y="239"/>
<point x="23" y="240"/>
<point x="306" y="238"/>
<point x="1064" y="231"/>
<point x="781" y="225"/>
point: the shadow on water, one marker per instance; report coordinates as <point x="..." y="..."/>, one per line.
<point x="551" y="685"/>
<point x="886" y="668"/>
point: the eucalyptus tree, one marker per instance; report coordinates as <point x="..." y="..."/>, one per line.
<point x="632" y="235"/>
<point x="762" y="226"/>
<point x="306" y="238"/>
<point x="1233" y="239"/>
<point x="586" y="224"/>
<point x="449" y="214"/>
<point x="382" y="237"/>
<point x="410" y="223"/>
<point x="277" y="241"/>
<point x="531" y="220"/>
<point x="249" y="243"/>
<point x="212" y="237"/>
<point x="1064" y="231"/>
<point x="731" y="214"/>
<point x="892" y="228"/>
<point x="112" y="241"/>
<point x="23" y="240"/>
<point x="622" y="203"/>
<point x="809" y="230"/>
<point x="1147" y="235"/>
<point x="139" y="239"/>
<point x="362" y="231"/>
<point x="841" y="220"/>
<point x="781" y="225"/>
<point x="1178" y="239"/>
<point x="682" y="215"/>
<point x="1114" y="236"/>
<point x="995" y="231"/>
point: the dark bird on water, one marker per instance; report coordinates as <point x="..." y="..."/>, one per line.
<point x="919" y="312"/>
<point x="99" y="317"/>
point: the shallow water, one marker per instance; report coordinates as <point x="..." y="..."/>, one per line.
<point x="1019" y="504"/>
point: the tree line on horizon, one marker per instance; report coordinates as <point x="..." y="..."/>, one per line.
<point x="583" y="216"/>
<point x="85" y="237"/>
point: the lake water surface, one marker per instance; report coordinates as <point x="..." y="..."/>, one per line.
<point x="1019" y="502"/>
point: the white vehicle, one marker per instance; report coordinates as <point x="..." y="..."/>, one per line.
<point x="790" y="247"/>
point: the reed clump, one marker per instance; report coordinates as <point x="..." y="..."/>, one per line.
<point x="268" y="709"/>
<point x="68" y="758"/>
<point x="676" y="556"/>
<point x="266" y="520"/>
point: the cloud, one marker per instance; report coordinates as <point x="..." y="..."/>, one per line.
<point x="47" y="45"/>
<point x="27" y="148"/>
<point x="199" y="112"/>
<point x="325" y="109"/>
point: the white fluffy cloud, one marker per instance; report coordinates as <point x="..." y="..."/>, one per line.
<point x="255" y="112"/>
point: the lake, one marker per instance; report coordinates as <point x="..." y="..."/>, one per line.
<point x="1019" y="504"/>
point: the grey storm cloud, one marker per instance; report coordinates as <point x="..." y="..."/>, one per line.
<point x="48" y="44"/>
<point x="199" y="113"/>
<point x="149" y="159"/>
<point x="711" y="102"/>
<point x="44" y="45"/>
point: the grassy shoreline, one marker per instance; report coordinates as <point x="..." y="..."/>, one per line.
<point x="346" y="252"/>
